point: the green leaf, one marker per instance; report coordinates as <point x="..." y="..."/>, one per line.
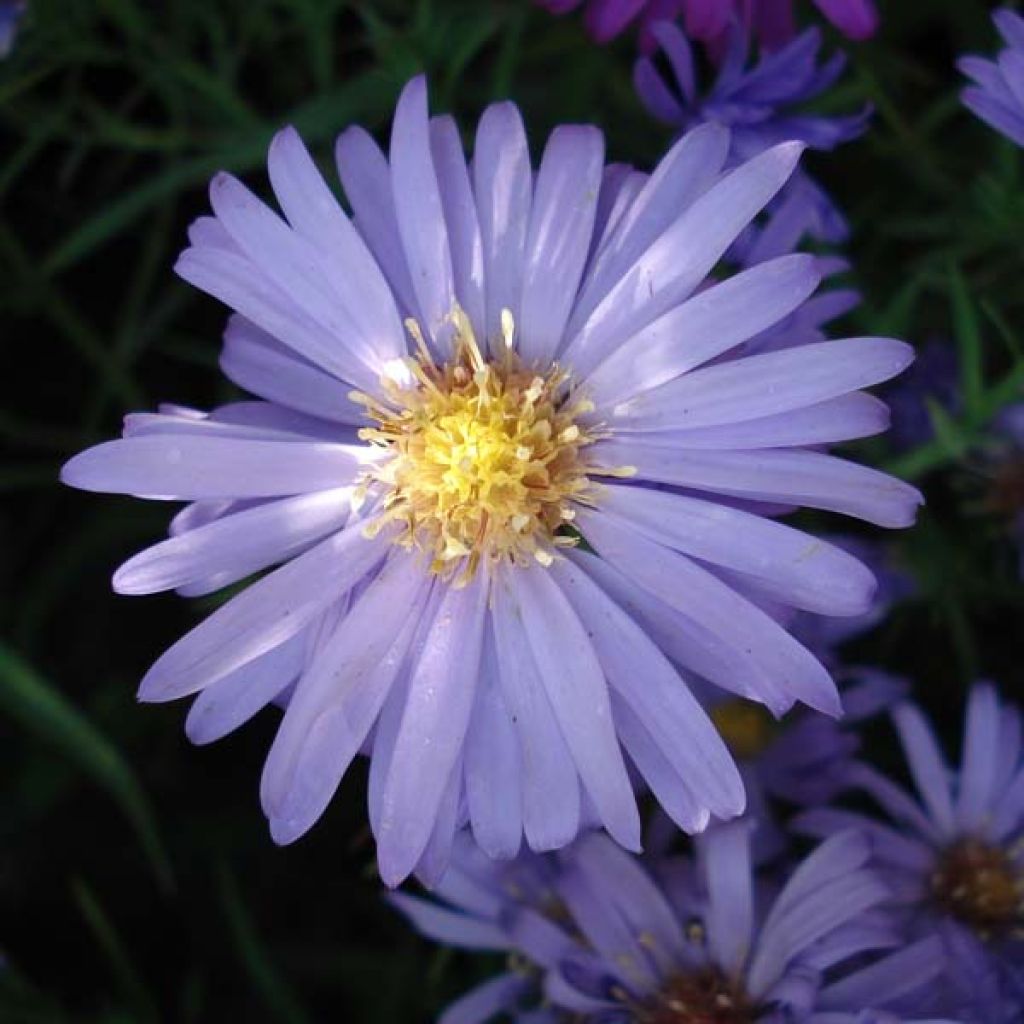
<point x="41" y="710"/>
<point x="281" y="1001"/>
<point x="967" y="334"/>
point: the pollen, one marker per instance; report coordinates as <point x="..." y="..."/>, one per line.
<point x="982" y="886"/>
<point x="484" y="457"/>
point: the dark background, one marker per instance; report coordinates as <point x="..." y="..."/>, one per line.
<point x="138" y="881"/>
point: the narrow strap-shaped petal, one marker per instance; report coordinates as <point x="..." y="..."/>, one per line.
<point x="259" y="364"/>
<point x="366" y="178"/>
<point x="551" y="788"/>
<point x="789" y="477"/>
<point x="183" y="467"/>
<point x="927" y="765"/>
<point x="493" y="765"/>
<point x="486" y="1001"/>
<point x="449" y="926"/>
<point x="576" y="687"/>
<point x="838" y="419"/>
<point x="442" y="689"/>
<point x="657" y="695"/>
<point x="561" y="223"/>
<point x="464" y="239"/>
<point x="234" y="699"/>
<point x="759" y="644"/>
<point x="725" y="857"/>
<point x="264" y="615"/>
<point x="236" y="545"/>
<point x="338" y="700"/>
<point x="681" y="258"/>
<point x="420" y="213"/>
<point x="763" y="385"/>
<point x="346" y="262"/>
<point x="683" y="174"/>
<point x="809" y="572"/>
<point x="503" y="183"/>
<point x="704" y="327"/>
<point x="981" y="752"/>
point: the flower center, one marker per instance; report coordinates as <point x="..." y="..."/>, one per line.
<point x="704" y="997"/>
<point x="486" y="456"/>
<point x="747" y="728"/>
<point x="981" y="886"/>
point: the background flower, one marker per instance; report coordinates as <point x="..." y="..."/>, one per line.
<point x="997" y="95"/>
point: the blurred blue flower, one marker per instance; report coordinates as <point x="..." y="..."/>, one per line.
<point x="997" y="95"/>
<point x="759" y="104"/>
<point x="934" y="378"/>
<point x="11" y="13"/>
<point x="954" y="856"/>
<point x="600" y="936"/>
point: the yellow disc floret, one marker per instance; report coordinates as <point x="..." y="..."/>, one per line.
<point x="486" y="456"/>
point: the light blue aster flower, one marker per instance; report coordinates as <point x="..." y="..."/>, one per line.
<point x="997" y="95"/>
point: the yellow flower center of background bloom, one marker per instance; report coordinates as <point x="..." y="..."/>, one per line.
<point x="747" y="728"/>
<point x="486" y="455"/>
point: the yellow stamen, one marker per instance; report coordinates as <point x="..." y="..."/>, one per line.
<point x="485" y="455"/>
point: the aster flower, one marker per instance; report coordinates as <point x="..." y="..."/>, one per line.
<point x="955" y="856"/>
<point x="708" y="20"/>
<point x="997" y="95"/>
<point x="615" y="940"/>
<point x="757" y="104"/>
<point x="559" y="358"/>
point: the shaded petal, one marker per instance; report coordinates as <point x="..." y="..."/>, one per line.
<point x="339" y="698"/>
<point x="485" y="1001"/>
<point x="805" y="571"/>
<point x="981" y="755"/>
<point x="927" y="765"/>
<point x="704" y="327"/>
<point x="725" y="856"/>
<point x="234" y="699"/>
<point x="561" y="223"/>
<point x="682" y="175"/>
<point x="449" y="927"/>
<point x="264" y="615"/>
<point x="348" y="265"/>
<point x="253" y="360"/>
<point x="681" y="258"/>
<point x="464" y="238"/>
<point x="551" y="789"/>
<point x="493" y="765"/>
<point x="442" y="690"/>
<point x="576" y="687"/>
<point x="502" y="181"/>
<point x="236" y="545"/>
<point x="652" y="688"/>
<point x="420" y="214"/>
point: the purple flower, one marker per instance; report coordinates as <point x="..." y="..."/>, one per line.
<point x="559" y="360"/>
<point x="757" y="104"/>
<point x="955" y="856"/>
<point x="611" y="941"/>
<point x="997" y="96"/>
<point x="708" y="20"/>
<point x="11" y="13"/>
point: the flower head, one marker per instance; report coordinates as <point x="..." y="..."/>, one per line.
<point x="11" y="13"/>
<point x="681" y="941"/>
<point x="757" y="104"/>
<point x="955" y="855"/>
<point x="481" y="371"/>
<point x="997" y="95"/>
<point x="708" y="20"/>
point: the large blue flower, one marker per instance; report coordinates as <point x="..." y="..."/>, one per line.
<point x="424" y="487"/>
